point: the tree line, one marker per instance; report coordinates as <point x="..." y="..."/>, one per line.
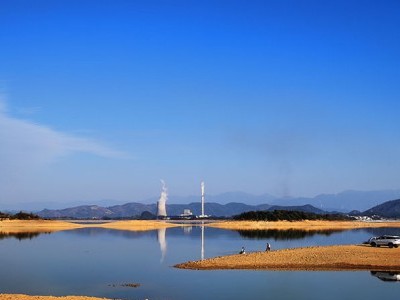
<point x="288" y="215"/>
<point x="19" y="216"/>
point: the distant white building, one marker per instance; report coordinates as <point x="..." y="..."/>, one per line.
<point x="187" y="213"/>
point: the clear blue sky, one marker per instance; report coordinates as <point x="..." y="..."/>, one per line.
<point x="102" y="99"/>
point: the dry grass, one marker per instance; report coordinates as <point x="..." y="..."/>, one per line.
<point x="21" y="226"/>
<point x="27" y="297"/>
<point x="300" y="225"/>
<point x="343" y="257"/>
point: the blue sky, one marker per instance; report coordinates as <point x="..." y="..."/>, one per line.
<point x="102" y="99"/>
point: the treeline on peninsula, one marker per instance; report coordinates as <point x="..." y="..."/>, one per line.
<point x="288" y="215"/>
<point x="19" y="216"/>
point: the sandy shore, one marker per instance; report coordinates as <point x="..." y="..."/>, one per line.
<point x="26" y="297"/>
<point x="343" y="257"/>
<point x="301" y="225"/>
<point x="22" y="226"/>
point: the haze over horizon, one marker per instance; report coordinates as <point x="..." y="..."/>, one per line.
<point x="102" y="99"/>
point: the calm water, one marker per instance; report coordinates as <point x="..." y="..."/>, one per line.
<point x="98" y="261"/>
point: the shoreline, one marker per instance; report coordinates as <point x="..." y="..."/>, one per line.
<point x="302" y="225"/>
<point x="48" y="226"/>
<point x="30" y="297"/>
<point x="316" y="258"/>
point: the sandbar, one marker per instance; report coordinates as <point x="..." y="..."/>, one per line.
<point x="319" y="258"/>
<point x="22" y="226"/>
<point x="27" y="297"/>
<point x="40" y="226"/>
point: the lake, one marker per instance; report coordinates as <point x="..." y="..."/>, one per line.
<point x="101" y="262"/>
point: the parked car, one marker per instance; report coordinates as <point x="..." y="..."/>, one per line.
<point x="385" y="240"/>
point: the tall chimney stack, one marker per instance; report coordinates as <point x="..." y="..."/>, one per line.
<point x="202" y="199"/>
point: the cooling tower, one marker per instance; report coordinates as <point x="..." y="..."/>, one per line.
<point x="161" y="208"/>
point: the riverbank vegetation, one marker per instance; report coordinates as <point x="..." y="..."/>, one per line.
<point x="287" y="215"/>
<point x="19" y="216"/>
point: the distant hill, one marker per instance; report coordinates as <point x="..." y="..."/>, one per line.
<point x="342" y="202"/>
<point x="389" y="209"/>
<point x="345" y="201"/>
<point x="135" y="210"/>
<point x="78" y="212"/>
<point x="304" y="208"/>
<point x="98" y="212"/>
<point x="288" y="215"/>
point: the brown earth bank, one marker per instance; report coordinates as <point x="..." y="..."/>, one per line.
<point x="302" y="225"/>
<point x="340" y="258"/>
<point x="27" y="297"/>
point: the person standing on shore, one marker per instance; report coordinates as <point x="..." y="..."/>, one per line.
<point x="268" y="248"/>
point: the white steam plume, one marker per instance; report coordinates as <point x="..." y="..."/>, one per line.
<point x="162" y="211"/>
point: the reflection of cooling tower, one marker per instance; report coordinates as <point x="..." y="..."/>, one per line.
<point x="161" y="209"/>
<point x="163" y="242"/>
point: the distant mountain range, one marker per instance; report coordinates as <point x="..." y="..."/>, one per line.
<point x="388" y="209"/>
<point x="343" y="202"/>
<point x="227" y="204"/>
<point x="137" y="209"/>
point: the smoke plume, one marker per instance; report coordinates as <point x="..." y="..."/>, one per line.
<point x="162" y="211"/>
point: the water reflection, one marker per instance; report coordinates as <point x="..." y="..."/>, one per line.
<point x="382" y="231"/>
<point x="21" y="235"/>
<point x="162" y="242"/>
<point x="202" y="242"/>
<point x="92" y="232"/>
<point x="391" y="276"/>
<point x="187" y="231"/>
<point x="290" y="234"/>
